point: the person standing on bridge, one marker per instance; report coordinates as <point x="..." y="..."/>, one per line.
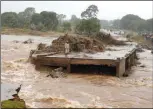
<point x="67" y="48"/>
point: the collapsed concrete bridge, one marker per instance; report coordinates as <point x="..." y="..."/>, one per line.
<point x="115" y="62"/>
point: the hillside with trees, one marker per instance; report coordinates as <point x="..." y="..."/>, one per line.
<point x="129" y="22"/>
<point x="88" y="23"/>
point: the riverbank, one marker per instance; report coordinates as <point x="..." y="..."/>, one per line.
<point x="9" y="98"/>
<point x="13" y="104"/>
<point x="20" y="31"/>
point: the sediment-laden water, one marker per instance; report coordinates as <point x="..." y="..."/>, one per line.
<point x="76" y="90"/>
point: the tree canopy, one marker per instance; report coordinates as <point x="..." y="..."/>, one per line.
<point x="89" y="23"/>
<point x="129" y="22"/>
<point x="66" y="26"/>
<point x="10" y="19"/>
<point x="90" y="12"/>
<point x="49" y="20"/>
<point x="60" y="18"/>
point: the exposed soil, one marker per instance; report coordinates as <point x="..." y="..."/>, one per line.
<point x="18" y="31"/>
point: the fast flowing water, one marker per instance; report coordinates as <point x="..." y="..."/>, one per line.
<point x="76" y="90"/>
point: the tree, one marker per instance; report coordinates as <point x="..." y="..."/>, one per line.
<point x="40" y="27"/>
<point x="149" y="24"/>
<point x="130" y="22"/>
<point x="25" y="17"/>
<point x="49" y="20"/>
<point x="9" y="19"/>
<point x="28" y="12"/>
<point x="90" y="12"/>
<point x="67" y="26"/>
<point x="60" y="18"/>
<point x="36" y="19"/>
<point x="21" y="19"/>
<point x="36" y="22"/>
<point x="89" y="24"/>
<point x="135" y="23"/>
<point x="116" y="24"/>
<point x="104" y="23"/>
<point x="74" y="20"/>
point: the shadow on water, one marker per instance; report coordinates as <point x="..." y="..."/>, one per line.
<point x="94" y="69"/>
<point x="82" y="69"/>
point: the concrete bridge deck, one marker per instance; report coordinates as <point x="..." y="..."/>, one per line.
<point x="122" y="57"/>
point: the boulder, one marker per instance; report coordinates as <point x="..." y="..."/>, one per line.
<point x="58" y="69"/>
<point x="142" y="66"/>
<point x="29" y="41"/>
<point x="125" y="75"/>
<point x="139" y="49"/>
<point x="56" y="73"/>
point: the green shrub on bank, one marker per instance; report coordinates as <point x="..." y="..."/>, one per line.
<point x="13" y="104"/>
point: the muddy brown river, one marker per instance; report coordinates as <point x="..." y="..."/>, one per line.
<point x="75" y="90"/>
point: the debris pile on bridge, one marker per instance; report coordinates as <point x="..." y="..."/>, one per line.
<point x="107" y="39"/>
<point x="77" y="44"/>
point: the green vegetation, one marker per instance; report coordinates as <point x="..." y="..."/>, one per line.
<point x="129" y="22"/>
<point x="67" y="26"/>
<point x="51" y="21"/>
<point x="88" y="24"/>
<point x="12" y="104"/>
<point x="10" y="19"/>
<point x="132" y="22"/>
<point x="29" y="19"/>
